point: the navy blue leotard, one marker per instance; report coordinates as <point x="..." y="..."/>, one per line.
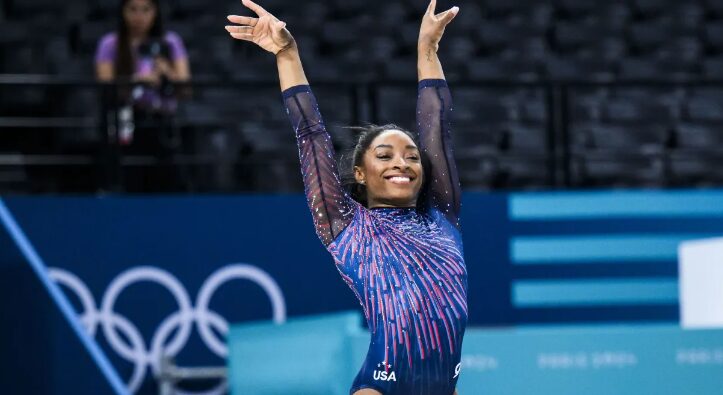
<point x="405" y="265"/>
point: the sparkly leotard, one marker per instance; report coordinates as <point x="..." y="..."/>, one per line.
<point x="405" y="265"/>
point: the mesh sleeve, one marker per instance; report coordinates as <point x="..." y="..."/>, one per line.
<point x="434" y="107"/>
<point x="330" y="205"/>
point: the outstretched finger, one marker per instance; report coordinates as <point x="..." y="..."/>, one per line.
<point x="430" y="8"/>
<point x="243" y="36"/>
<point x="447" y="16"/>
<point x="260" y="11"/>
<point x="240" y="29"/>
<point x="243" y="20"/>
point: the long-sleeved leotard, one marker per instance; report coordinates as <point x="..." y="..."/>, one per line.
<point x="404" y="265"/>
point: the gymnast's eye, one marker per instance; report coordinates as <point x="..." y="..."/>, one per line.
<point x="384" y="156"/>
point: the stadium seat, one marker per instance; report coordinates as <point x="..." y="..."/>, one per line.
<point x="58" y="54"/>
<point x="483" y="104"/>
<point x="699" y="136"/>
<point x="587" y="105"/>
<point x="33" y="8"/>
<point x="339" y="34"/>
<point x="336" y="103"/>
<point x="643" y="137"/>
<point x="396" y="105"/>
<point x="628" y="109"/>
<point x="525" y="138"/>
<point x="638" y="69"/>
<point x="521" y="172"/>
<point x="495" y="36"/>
<point x="458" y="48"/>
<point x="188" y="8"/>
<point x="616" y="16"/>
<point x="13" y="32"/>
<point x="571" y="37"/>
<point x="343" y="41"/>
<point x="469" y="18"/>
<point x="79" y="103"/>
<point x="705" y="108"/>
<point x="713" y="68"/>
<point x="472" y="136"/>
<point x="400" y="69"/>
<point x="381" y="48"/>
<point x="349" y="8"/>
<point x="695" y="170"/>
<point x="616" y="170"/>
<point x="686" y="16"/>
<point x="653" y="8"/>
<point x="312" y="16"/>
<point x="714" y="7"/>
<point x="576" y="8"/>
<point x="714" y="36"/>
<point x="487" y="69"/>
<point x="645" y="37"/>
<point x="89" y="35"/>
<point x="564" y="68"/>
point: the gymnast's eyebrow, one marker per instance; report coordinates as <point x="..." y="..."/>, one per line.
<point x="389" y="146"/>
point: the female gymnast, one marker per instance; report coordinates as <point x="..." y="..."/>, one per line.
<point x="395" y="237"/>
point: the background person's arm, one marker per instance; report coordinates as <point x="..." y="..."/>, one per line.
<point x="176" y="67"/>
<point x="104" y="71"/>
<point x="105" y="55"/>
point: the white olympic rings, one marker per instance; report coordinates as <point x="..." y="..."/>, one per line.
<point x="179" y="322"/>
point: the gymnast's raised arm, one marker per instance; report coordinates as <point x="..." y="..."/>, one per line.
<point x="434" y="106"/>
<point x="329" y="204"/>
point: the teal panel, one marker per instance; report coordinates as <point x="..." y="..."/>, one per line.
<point x="298" y="357"/>
<point x="628" y="204"/>
<point x="551" y="293"/>
<point x="598" y="248"/>
<point x="319" y="356"/>
<point x="661" y="360"/>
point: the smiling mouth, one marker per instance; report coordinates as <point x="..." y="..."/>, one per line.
<point x="401" y="180"/>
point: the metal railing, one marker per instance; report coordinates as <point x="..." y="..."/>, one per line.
<point x="108" y="163"/>
<point x="171" y="375"/>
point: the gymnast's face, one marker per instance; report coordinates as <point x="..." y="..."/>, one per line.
<point x="391" y="171"/>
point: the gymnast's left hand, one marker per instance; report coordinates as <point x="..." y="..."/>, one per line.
<point x="432" y="29"/>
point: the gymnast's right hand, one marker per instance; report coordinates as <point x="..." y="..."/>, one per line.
<point x="266" y="31"/>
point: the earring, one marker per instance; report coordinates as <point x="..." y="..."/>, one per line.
<point x="362" y="182"/>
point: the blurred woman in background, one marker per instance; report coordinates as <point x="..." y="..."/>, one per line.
<point x="142" y="51"/>
<point x="151" y="60"/>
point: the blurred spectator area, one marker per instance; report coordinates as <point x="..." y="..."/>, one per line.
<point x="631" y="133"/>
<point x="527" y="39"/>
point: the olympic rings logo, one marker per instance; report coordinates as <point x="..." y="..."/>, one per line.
<point x="144" y="355"/>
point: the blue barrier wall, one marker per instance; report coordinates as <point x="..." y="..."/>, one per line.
<point x="532" y="259"/>
<point x="600" y="359"/>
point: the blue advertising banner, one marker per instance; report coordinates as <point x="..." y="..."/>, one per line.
<point x="152" y="276"/>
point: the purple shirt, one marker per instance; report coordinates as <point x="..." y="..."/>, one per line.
<point x="107" y="48"/>
<point x="144" y="97"/>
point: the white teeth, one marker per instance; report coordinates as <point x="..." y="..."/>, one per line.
<point x="400" y="180"/>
